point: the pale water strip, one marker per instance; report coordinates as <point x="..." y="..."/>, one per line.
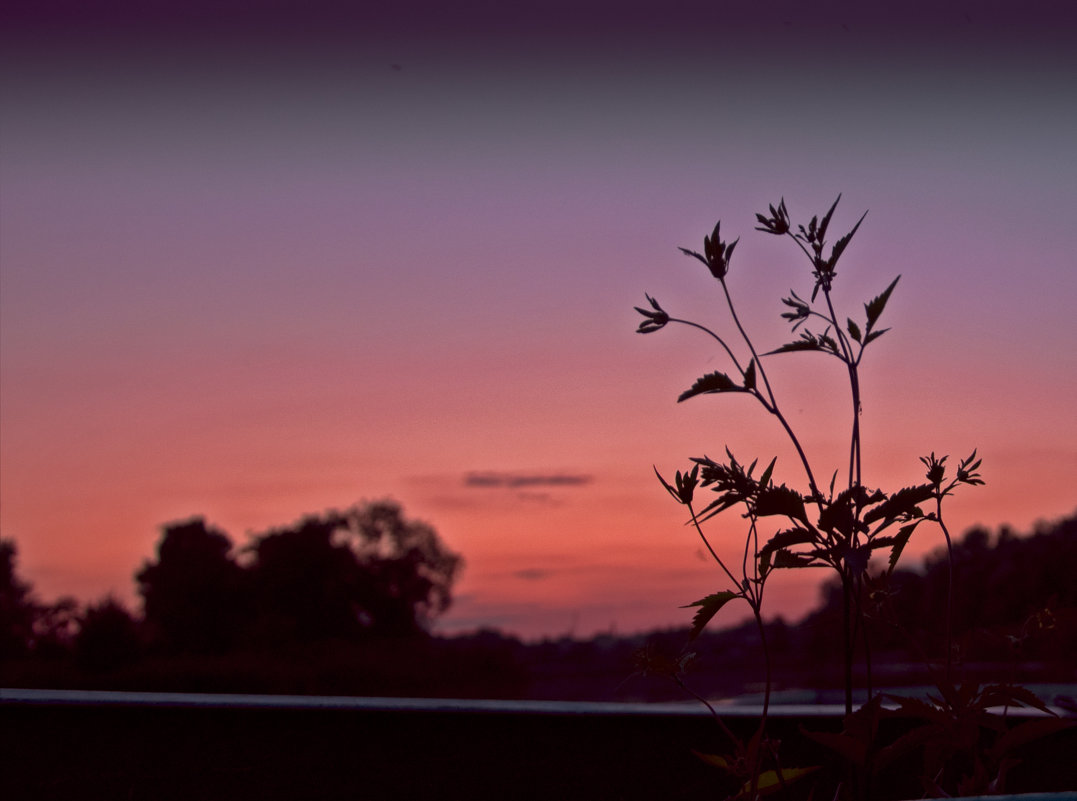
<point x="745" y="707"/>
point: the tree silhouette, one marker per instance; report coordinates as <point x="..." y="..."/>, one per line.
<point x="17" y="609"/>
<point x="193" y="594"/>
<point x="108" y="637"/>
<point x="343" y="574"/>
<point x="56" y="626"/>
<point x="304" y="583"/>
<point x="408" y="572"/>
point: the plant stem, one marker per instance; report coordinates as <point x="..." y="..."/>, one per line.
<point x="854" y="385"/>
<point x="747" y="340"/>
<point x="862" y="627"/>
<point x="713" y="335"/>
<point x="756" y="608"/>
<point x="854" y="447"/>
<point x="713" y="553"/>
<point x="949" y="590"/>
<point x="817" y="495"/>
<point x="772" y="407"/>
<point x="847" y="638"/>
<point x="714" y="714"/>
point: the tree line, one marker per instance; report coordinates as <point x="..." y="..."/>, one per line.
<point x="347" y="576"/>
<point x="342" y="603"/>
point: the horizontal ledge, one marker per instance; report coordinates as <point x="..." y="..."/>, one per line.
<point x="35" y="697"/>
<point x="113" y="698"/>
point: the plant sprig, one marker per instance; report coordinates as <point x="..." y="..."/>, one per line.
<point x="840" y="530"/>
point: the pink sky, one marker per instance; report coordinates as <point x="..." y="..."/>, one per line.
<point x="251" y="276"/>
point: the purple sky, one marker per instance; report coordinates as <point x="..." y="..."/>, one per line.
<point x="255" y="265"/>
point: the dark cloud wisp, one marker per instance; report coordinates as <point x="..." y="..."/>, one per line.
<point x="492" y="479"/>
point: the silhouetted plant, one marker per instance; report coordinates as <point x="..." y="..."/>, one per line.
<point x="840" y="528"/>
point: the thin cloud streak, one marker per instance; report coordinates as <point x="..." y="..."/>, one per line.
<point x="517" y="480"/>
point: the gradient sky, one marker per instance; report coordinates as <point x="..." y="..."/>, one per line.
<point x="255" y="267"/>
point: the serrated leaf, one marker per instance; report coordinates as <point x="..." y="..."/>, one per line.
<point x="708" y="608"/>
<point x="838" y="517"/>
<point x="711" y="383"/>
<point x="787" y="538"/>
<point x="854" y="330"/>
<point x="880" y="542"/>
<point x="718" y="506"/>
<point x="787" y="559"/>
<point x="665" y="484"/>
<point x="842" y="243"/>
<point x="764" y="563"/>
<point x="685" y="485"/>
<point x="874" y="308"/>
<point x="901" y="539"/>
<point x="901" y="503"/>
<point x="749" y="376"/>
<point x="875" y="335"/>
<point x="1002" y="694"/>
<point x="764" y="479"/>
<point x="821" y="232"/>
<point x="688" y="252"/>
<point x="781" y="500"/>
<point x="908" y="706"/>
<point x="800" y="344"/>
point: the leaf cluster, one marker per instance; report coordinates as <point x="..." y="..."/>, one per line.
<point x="716" y="253"/>
<point x="962" y="742"/>
<point x="844" y="532"/>
<point x="846" y="529"/>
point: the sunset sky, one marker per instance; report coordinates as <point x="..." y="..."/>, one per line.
<point x="258" y="266"/>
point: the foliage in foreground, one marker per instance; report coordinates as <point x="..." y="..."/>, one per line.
<point x="840" y="526"/>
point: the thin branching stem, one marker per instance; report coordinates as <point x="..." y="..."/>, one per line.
<point x="748" y="547"/>
<point x="855" y="479"/>
<point x="847" y="636"/>
<point x="714" y="714"/>
<point x="710" y="333"/>
<point x="772" y="406"/>
<point x="817" y="496"/>
<point x="761" y="736"/>
<point x="713" y="553"/>
<point x="862" y="629"/>
<point x="854" y="386"/>
<point x="748" y="342"/>
<point x="766" y="660"/>
<point x="800" y="245"/>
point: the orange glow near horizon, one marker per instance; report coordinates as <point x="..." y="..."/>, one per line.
<point x="252" y="293"/>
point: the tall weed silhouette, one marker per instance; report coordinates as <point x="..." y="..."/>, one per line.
<point x="839" y="526"/>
